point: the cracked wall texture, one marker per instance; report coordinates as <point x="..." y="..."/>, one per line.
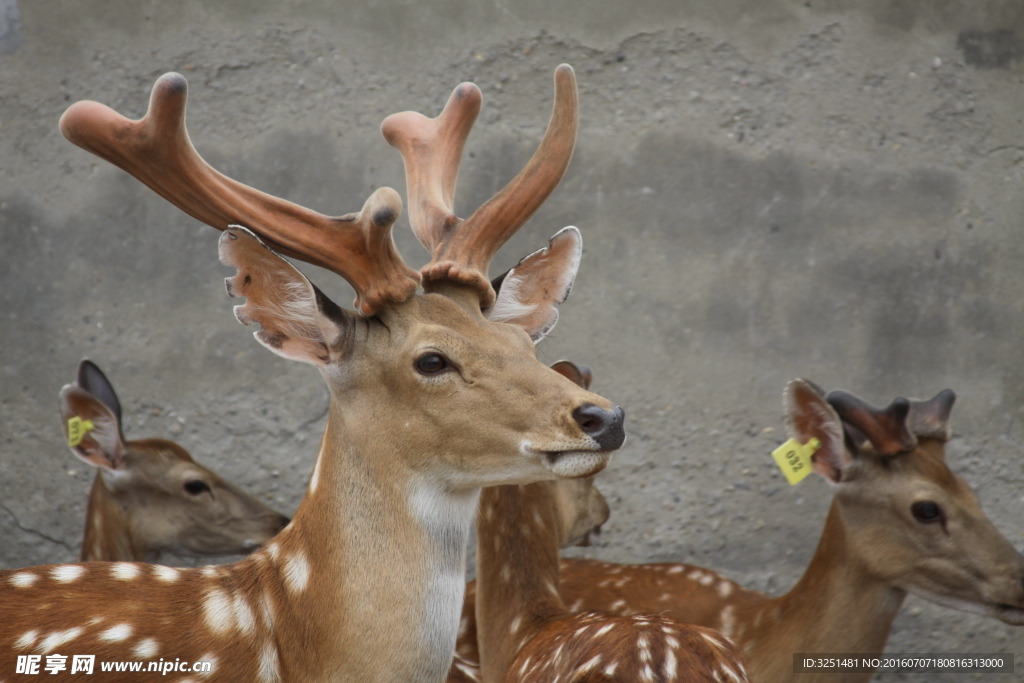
<point x="767" y="189"/>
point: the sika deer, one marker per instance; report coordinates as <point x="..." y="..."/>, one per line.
<point x="526" y="632"/>
<point x="901" y="522"/>
<point x="429" y="402"/>
<point x="149" y="496"/>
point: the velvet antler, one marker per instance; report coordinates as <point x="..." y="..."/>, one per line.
<point x="432" y="150"/>
<point x="156" y="150"/>
<point x="886" y="428"/>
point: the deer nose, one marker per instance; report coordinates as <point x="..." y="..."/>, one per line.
<point x="603" y="426"/>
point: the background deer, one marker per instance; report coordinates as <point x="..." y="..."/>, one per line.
<point x="149" y="496"/>
<point x="901" y="522"/>
<point x="429" y="402"/>
<point x="527" y="634"/>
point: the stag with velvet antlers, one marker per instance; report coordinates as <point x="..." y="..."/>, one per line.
<point x="433" y="396"/>
<point x="149" y="496"/>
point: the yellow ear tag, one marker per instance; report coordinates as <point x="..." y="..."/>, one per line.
<point x="794" y="459"/>
<point x="77" y="429"/>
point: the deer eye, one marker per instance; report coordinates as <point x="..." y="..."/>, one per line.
<point x="926" y="512"/>
<point x="431" y="364"/>
<point x="196" y="486"/>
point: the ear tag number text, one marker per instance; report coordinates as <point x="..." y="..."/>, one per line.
<point x="77" y="429"/>
<point x="794" y="459"/>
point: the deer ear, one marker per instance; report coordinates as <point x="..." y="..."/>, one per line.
<point x="577" y="374"/>
<point x="810" y="416"/>
<point x="297" y="321"/>
<point x="93" y="381"/>
<point x="527" y="294"/>
<point x="90" y="428"/>
<point x="931" y="418"/>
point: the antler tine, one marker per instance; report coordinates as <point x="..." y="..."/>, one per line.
<point x="156" y="150"/>
<point x="431" y="150"/>
<point x="887" y="428"/>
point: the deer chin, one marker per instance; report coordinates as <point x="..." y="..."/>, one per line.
<point x="575" y="464"/>
<point x="1003" y="612"/>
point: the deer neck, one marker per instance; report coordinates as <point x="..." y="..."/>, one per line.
<point x="518" y="538"/>
<point x="373" y="562"/>
<point x="108" y="532"/>
<point x="836" y="606"/>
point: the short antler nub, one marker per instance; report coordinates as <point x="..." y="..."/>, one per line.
<point x="886" y="428"/>
<point x="432" y="150"/>
<point x="156" y="149"/>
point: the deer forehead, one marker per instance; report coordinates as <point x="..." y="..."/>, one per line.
<point x="433" y="315"/>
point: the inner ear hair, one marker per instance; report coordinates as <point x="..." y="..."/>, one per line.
<point x="930" y="419"/>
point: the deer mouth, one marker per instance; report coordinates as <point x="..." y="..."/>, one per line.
<point x="1009" y="614"/>
<point x="575" y="464"/>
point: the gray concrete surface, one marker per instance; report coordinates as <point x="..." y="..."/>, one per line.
<point x="767" y="189"/>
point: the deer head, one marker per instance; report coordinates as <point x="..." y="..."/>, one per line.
<point x="149" y="496"/>
<point x="913" y="523"/>
<point x="422" y="357"/>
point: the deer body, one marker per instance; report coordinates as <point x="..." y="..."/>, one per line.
<point x="528" y="634"/>
<point x="430" y="401"/>
<point x="872" y="551"/>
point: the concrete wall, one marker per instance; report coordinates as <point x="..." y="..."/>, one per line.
<point x="767" y="189"/>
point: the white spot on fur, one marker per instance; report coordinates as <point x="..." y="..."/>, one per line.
<point x="618" y="605"/>
<point x="669" y="665"/>
<point x="575" y="607"/>
<point x="514" y="626"/>
<point x="296" y="571"/>
<point x="274" y="550"/>
<point x="27" y="640"/>
<point x="707" y="580"/>
<point x="220" y="616"/>
<point x="733" y="676"/>
<point x="124" y="571"/>
<point x="725" y="589"/>
<point x="728" y="619"/>
<point x="591" y="663"/>
<point x="56" y="639"/>
<point x="604" y="629"/>
<point x="506" y="573"/>
<point x="212" y="659"/>
<point x="243" y="615"/>
<point x="66" y="573"/>
<point x="714" y="641"/>
<point x="610" y="669"/>
<point x="267" y="609"/>
<point x="146" y="648"/>
<point x="115" y="634"/>
<point x="168" y="574"/>
<point x="268" y="671"/>
<point x="23" y="579"/>
<point x="676" y="570"/>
